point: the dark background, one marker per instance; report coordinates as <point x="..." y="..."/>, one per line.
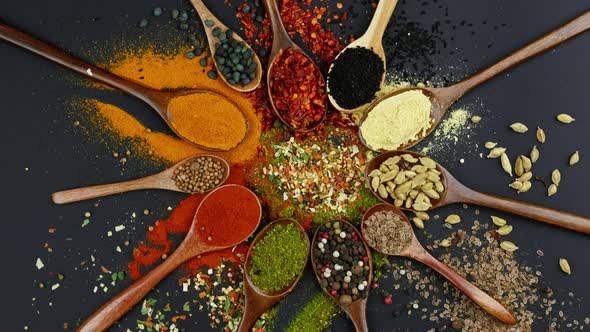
<point x="36" y="135"/>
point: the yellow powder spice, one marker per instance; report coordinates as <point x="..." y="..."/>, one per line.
<point x="397" y="120"/>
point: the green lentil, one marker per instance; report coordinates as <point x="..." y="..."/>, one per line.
<point x="212" y="74"/>
<point x="316" y="316"/>
<point x="143" y="23"/>
<point x="174" y="14"/>
<point x="157" y="11"/>
<point x="278" y="258"/>
<point x="209" y="23"/>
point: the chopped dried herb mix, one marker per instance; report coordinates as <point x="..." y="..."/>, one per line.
<point x="355" y="77"/>
<point x="278" y="258"/>
<point x="297" y="89"/>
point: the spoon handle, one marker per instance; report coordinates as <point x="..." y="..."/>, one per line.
<point x="110" y="312"/>
<point x="56" y="55"/>
<point x="486" y="302"/>
<point x="380" y="20"/>
<point x="535" y="212"/>
<point x="80" y="194"/>
<point x="280" y="37"/>
<point x="556" y="37"/>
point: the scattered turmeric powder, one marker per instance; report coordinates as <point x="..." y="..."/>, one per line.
<point x="208" y="119"/>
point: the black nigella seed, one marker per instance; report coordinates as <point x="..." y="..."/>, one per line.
<point x="355" y="77"/>
<point x="143" y="23"/>
<point x="157" y="11"/>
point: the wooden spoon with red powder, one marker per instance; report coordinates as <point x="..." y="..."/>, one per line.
<point x="227" y="216"/>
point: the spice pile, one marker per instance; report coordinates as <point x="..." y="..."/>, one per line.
<point x="341" y="262"/>
<point x="397" y="120"/>
<point x="387" y="232"/>
<point x="408" y="181"/>
<point x="199" y="174"/>
<point x="278" y="258"/>
<point x="355" y="77"/>
<point x="297" y="89"/>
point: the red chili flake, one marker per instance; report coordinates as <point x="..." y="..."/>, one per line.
<point x="388" y="300"/>
<point x="298" y="89"/>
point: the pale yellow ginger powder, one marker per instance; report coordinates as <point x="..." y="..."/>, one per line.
<point x="397" y="120"/>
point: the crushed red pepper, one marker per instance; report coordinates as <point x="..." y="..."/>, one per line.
<point x="298" y="89"/>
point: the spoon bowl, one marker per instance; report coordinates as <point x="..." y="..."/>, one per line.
<point x="443" y="98"/>
<point x="159" y="100"/>
<point x="206" y="15"/>
<point x="372" y="39"/>
<point x="258" y="301"/>
<point x="163" y="180"/>
<point x="192" y="246"/>
<point x="280" y="42"/>
<point x="357" y="310"/>
<point x="415" y="251"/>
<point x="456" y="192"/>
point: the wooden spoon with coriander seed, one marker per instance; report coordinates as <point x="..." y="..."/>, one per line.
<point x="357" y="309"/>
<point x="280" y="42"/>
<point x="442" y="98"/>
<point x="372" y="40"/>
<point x="194" y="244"/>
<point x="454" y="191"/>
<point x="159" y="100"/>
<point x="175" y="178"/>
<point x="258" y="301"/>
<point x="210" y="22"/>
<point x="413" y="249"/>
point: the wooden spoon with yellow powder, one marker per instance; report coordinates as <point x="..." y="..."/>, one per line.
<point x="203" y="118"/>
<point x="404" y="117"/>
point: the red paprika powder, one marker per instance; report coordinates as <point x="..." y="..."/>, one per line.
<point x="228" y="215"/>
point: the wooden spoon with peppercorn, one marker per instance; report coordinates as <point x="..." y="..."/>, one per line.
<point x="372" y="40"/>
<point x="355" y="309"/>
<point x="258" y="301"/>
<point x="159" y="100"/>
<point x="185" y="176"/>
<point x="213" y="29"/>
<point x="442" y="98"/>
<point x="281" y="42"/>
<point x="413" y="249"/>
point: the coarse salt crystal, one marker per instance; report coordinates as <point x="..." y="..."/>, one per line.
<point x="39" y="264"/>
<point x="55" y="286"/>
<point x="89" y="71"/>
<point x="119" y="228"/>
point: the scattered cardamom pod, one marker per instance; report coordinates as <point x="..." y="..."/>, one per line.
<point x="504" y="230"/>
<point x="527" y="164"/>
<point x="418" y="222"/>
<point x="515" y="185"/>
<point x="518" y="168"/>
<point x="525" y="177"/>
<point x="556" y="177"/>
<point x="552" y="190"/>
<point x="445" y="243"/>
<point x="519" y="127"/>
<point x="565" y="118"/>
<point x="534" y="154"/>
<point x="574" y="158"/>
<point x="490" y="145"/>
<point x="496" y="152"/>
<point x="453" y="219"/>
<point x="422" y="215"/>
<point x="475" y="119"/>
<point x="506" y="165"/>
<point x="541" y="135"/>
<point x="498" y="221"/>
<point x="525" y="187"/>
<point x="565" y="266"/>
<point x="508" y="246"/>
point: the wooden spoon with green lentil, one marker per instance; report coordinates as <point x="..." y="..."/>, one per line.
<point x="235" y="61"/>
<point x="199" y="174"/>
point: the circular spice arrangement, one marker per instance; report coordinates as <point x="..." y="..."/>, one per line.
<point x="341" y="262"/>
<point x="355" y="77"/>
<point x="200" y="174"/>
<point x="278" y="257"/>
<point x="297" y="89"/>
<point x="208" y="119"/>
<point x="387" y="232"/>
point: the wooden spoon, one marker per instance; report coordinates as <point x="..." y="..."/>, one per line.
<point x="163" y="180"/>
<point x="258" y="301"/>
<point x="456" y="192"/>
<point x="372" y="40"/>
<point x="357" y="310"/>
<point x="281" y="41"/>
<point x="192" y="246"/>
<point x="159" y="100"/>
<point x="205" y="14"/>
<point x="443" y="98"/>
<point x="415" y="251"/>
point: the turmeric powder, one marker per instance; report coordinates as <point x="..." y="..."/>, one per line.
<point x="208" y="119"/>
